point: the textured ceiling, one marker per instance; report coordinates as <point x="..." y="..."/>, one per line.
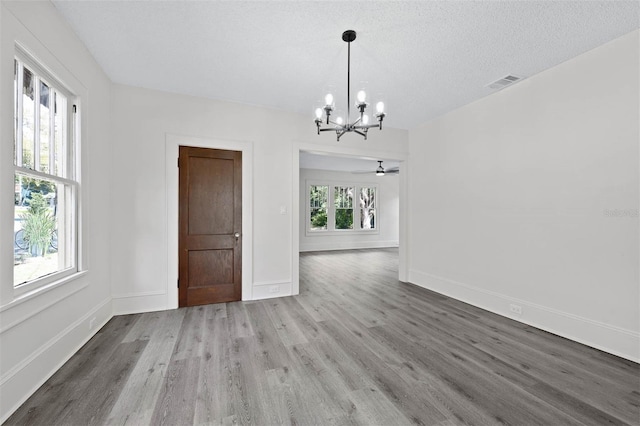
<point x="423" y="58"/>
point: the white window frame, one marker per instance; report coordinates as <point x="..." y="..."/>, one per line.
<point x="70" y="177"/>
<point x="331" y="210"/>
<point x="308" y="214"/>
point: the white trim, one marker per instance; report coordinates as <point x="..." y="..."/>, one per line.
<point x="38" y="291"/>
<point x="43" y="176"/>
<point x="45" y="73"/>
<point x="403" y="229"/>
<point x="272" y="282"/>
<point x="263" y="290"/>
<point x="612" y="339"/>
<point x="43" y="289"/>
<point x="40" y="355"/>
<point x="295" y="220"/>
<point x="356" y="152"/>
<point x="173" y="142"/>
<point x="137" y="303"/>
<point x="347" y="245"/>
<point x="140" y="294"/>
<point x="71" y="206"/>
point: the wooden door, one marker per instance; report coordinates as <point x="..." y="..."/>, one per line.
<point x="210" y="228"/>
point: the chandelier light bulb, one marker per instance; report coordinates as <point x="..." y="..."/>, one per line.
<point x="362" y="96"/>
<point x="365" y="119"/>
<point x="380" y="107"/>
<point x="328" y="99"/>
<point x="318" y="113"/>
<point x="339" y="120"/>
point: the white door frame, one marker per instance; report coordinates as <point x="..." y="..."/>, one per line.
<point x="354" y="152"/>
<point x="173" y="142"/>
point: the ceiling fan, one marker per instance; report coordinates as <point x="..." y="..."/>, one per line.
<point x="380" y="171"/>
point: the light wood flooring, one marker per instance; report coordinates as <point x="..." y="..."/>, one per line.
<point x="355" y="347"/>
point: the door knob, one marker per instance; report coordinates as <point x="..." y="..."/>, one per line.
<point x="237" y="235"/>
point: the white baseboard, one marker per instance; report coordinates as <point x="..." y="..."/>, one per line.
<point x="271" y="289"/>
<point x="20" y="382"/>
<point x="346" y="245"/>
<point x="137" y="303"/>
<point x="614" y="340"/>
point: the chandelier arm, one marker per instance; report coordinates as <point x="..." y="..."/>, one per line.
<point x="367" y="126"/>
<point x="360" y="133"/>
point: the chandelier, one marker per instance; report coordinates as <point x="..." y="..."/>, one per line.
<point x="361" y="125"/>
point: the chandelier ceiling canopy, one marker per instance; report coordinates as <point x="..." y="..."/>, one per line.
<point x="341" y="126"/>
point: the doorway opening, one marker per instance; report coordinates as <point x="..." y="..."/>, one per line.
<point x="343" y="205"/>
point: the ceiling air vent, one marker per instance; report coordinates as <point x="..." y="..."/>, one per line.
<point x="503" y="82"/>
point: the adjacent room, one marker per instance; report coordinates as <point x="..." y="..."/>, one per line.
<point x="318" y="212"/>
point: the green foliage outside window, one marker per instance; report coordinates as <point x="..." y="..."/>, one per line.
<point x="319" y="219"/>
<point x="344" y="218"/>
<point x="38" y="225"/>
<point x="318" y="197"/>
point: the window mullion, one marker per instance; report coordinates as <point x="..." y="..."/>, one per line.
<point x="36" y="124"/>
<point x="69" y="165"/>
<point x="357" y="210"/>
<point x="331" y="208"/>
<point x="52" y="131"/>
<point x="43" y="176"/>
<point x="19" y="114"/>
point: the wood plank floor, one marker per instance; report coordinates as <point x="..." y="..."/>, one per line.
<point x="355" y="347"/>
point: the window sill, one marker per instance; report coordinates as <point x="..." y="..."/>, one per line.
<point x="29" y="294"/>
<point x="344" y="232"/>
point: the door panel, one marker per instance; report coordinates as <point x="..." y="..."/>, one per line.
<point x="210" y="197"/>
<point x="210" y="215"/>
<point x="203" y="261"/>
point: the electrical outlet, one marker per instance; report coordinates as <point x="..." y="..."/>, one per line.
<point x="274" y="289"/>
<point x="92" y="323"/>
<point x="516" y="309"/>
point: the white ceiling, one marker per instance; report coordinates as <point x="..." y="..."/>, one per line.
<point x="320" y="161"/>
<point x="423" y="58"/>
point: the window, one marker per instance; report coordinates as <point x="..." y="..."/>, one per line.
<point x="45" y="178"/>
<point x="343" y="207"/>
<point x="367" y="208"/>
<point x="342" y="214"/>
<point x="318" y="200"/>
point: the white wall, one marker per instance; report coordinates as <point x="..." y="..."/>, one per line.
<point x="387" y="214"/>
<point x="514" y="201"/>
<point x="139" y="197"/>
<point x="38" y="333"/>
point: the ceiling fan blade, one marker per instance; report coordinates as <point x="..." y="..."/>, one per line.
<point x="392" y="170"/>
<point x="361" y="172"/>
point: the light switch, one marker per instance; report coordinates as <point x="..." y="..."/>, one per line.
<point x="283" y="209"/>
